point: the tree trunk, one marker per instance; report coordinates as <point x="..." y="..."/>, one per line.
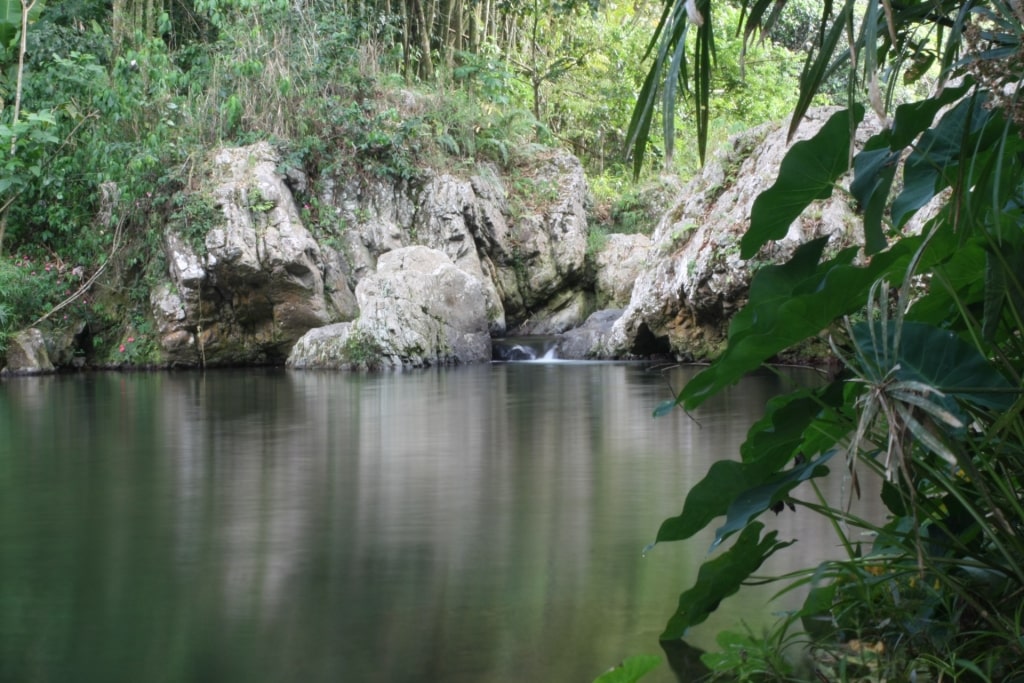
<point x="426" y="66"/>
<point x="406" y="47"/>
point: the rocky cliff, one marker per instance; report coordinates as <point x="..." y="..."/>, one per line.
<point x="373" y="272"/>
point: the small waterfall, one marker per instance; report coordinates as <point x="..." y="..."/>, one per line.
<point x="524" y="349"/>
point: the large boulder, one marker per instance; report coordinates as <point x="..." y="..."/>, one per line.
<point x="526" y="243"/>
<point x="27" y="354"/>
<point x="417" y="309"/>
<point x="255" y="281"/>
<point x="382" y="215"/>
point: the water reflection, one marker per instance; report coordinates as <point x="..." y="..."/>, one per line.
<point x="479" y="524"/>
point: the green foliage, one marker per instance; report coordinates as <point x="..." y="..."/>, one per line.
<point x="631" y="669"/>
<point x="29" y="287"/>
<point x="362" y="351"/>
<point x="929" y="397"/>
<point x="721" y="577"/>
<point x="10" y="19"/>
<point x="196" y="213"/>
<point x="745" y="657"/>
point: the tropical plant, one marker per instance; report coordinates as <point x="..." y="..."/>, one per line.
<point x="925" y="319"/>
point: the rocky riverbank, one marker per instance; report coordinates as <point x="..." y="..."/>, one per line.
<point x="372" y="272"/>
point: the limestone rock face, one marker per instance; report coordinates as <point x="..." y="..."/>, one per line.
<point x="375" y="271"/>
<point x="256" y="284"/>
<point x="540" y="256"/>
<point x="694" y="279"/>
<point x="247" y="278"/>
<point x="437" y="212"/>
<point x="585" y="341"/>
<point x="417" y="309"/>
<point x="27" y="354"/>
<point x="619" y="263"/>
<point x="526" y="244"/>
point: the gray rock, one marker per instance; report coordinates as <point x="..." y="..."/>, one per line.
<point x="259" y="286"/>
<point x="527" y="248"/>
<point x="621" y="260"/>
<point x="695" y="279"/>
<point x="585" y="341"/>
<point x="417" y="309"/>
<point x="27" y="353"/>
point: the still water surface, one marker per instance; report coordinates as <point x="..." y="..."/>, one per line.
<point x="479" y="524"/>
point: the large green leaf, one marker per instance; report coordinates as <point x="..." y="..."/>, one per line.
<point x="710" y="497"/>
<point x="816" y="612"/>
<point x="759" y="499"/>
<point x="771" y="443"/>
<point x="933" y="164"/>
<point x="1004" y="270"/>
<point x="914" y="118"/>
<point x="875" y="166"/>
<point x="808" y="172"/>
<point x="721" y="577"/>
<point x="790" y="303"/>
<point x="10" y="12"/>
<point x="10" y="19"/>
<point x="631" y="669"/>
<point x="958" y="283"/>
<point x="939" y="359"/>
<point x="874" y="171"/>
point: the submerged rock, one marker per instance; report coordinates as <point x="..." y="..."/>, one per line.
<point x="585" y="341"/>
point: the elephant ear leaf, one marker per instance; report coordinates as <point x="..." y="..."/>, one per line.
<point x="938" y="358"/>
<point x="792" y="302"/>
<point x="935" y="162"/>
<point x="759" y="499"/>
<point x="721" y="577"/>
<point x="808" y="172"/>
<point x="874" y="171"/>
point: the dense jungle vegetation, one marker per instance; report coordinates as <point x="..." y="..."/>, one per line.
<point x="105" y="109"/>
